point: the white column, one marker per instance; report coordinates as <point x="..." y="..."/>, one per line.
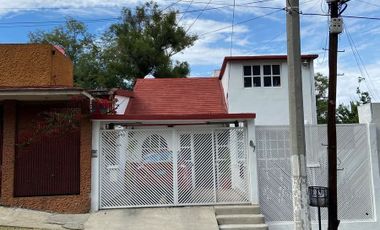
<point x="175" y="165"/>
<point x="370" y="114"/>
<point x="95" y="150"/>
<point x="252" y="162"/>
<point x="374" y="160"/>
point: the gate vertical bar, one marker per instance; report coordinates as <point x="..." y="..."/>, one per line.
<point x="214" y="163"/>
<point x="192" y="161"/>
<point x="175" y="166"/>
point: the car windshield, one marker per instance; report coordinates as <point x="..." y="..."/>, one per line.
<point x="157" y="157"/>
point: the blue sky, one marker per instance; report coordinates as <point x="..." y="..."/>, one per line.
<point x="263" y="33"/>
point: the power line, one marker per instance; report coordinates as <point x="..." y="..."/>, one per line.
<point x="232" y="28"/>
<point x="325" y="45"/>
<point x="242" y="22"/>
<point x="186" y="10"/>
<point x="344" y="16"/>
<point x="49" y="23"/>
<point x="27" y="24"/>
<point x="249" y="4"/>
<point x="360" y="64"/>
<point x="270" y="40"/>
<point x="56" y="22"/>
<point x="225" y="4"/>
<point x="369" y="3"/>
<point x="196" y="19"/>
<point x="115" y="6"/>
<point x="171" y="5"/>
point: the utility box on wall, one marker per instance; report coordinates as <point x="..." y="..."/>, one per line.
<point x="34" y="65"/>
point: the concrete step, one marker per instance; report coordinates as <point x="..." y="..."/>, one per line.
<point x="244" y="227"/>
<point x="240" y="219"/>
<point x="237" y="209"/>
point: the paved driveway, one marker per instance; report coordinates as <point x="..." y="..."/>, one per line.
<point x="179" y="218"/>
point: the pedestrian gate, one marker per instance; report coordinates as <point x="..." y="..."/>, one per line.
<point x="169" y="167"/>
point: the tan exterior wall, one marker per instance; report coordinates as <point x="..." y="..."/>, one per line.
<point x="62" y="72"/>
<point x="27" y="65"/>
<point x="63" y="204"/>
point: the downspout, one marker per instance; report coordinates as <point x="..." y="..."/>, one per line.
<point x="89" y="96"/>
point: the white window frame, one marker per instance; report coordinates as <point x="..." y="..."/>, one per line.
<point x="262" y="75"/>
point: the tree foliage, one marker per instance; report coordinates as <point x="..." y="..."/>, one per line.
<point x="321" y="88"/>
<point x="142" y="43"/>
<point x="79" y="45"/>
<point x="72" y="36"/>
<point x="146" y="39"/>
<point x="344" y="113"/>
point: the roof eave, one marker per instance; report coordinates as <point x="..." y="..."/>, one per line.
<point x="263" y="57"/>
<point x="33" y="94"/>
<point x="168" y="118"/>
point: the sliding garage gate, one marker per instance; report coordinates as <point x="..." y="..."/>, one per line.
<point x="169" y="167"/>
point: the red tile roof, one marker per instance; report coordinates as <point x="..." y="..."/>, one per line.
<point x="260" y="57"/>
<point x="177" y="96"/>
<point x="168" y="117"/>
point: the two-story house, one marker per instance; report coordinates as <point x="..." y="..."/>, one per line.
<point x="259" y="84"/>
<point x="190" y="141"/>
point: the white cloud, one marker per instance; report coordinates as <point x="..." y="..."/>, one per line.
<point x="265" y="35"/>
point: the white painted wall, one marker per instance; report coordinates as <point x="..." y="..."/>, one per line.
<point x="121" y="104"/>
<point x="270" y="104"/>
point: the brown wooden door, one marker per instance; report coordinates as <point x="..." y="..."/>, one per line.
<point x="1" y="143"/>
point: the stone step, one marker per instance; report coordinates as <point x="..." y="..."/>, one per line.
<point x="243" y="227"/>
<point x="237" y="209"/>
<point x="240" y="219"/>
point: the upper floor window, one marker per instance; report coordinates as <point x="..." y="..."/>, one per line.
<point x="262" y="75"/>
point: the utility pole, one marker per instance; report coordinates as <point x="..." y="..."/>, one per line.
<point x="335" y="28"/>
<point x="301" y="214"/>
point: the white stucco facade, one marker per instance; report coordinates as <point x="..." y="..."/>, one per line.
<point x="270" y="104"/>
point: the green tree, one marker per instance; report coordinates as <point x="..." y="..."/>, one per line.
<point x="143" y="43"/>
<point x="146" y="40"/>
<point x="72" y="36"/>
<point x="78" y="44"/>
<point x="344" y="113"/>
<point x="321" y="87"/>
<point x="347" y="114"/>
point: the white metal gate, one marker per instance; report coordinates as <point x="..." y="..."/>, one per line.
<point x="168" y="167"/>
<point x="355" y="188"/>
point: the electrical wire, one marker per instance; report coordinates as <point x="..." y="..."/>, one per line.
<point x="360" y="64"/>
<point x="175" y="3"/>
<point x="270" y="40"/>
<point x="248" y="4"/>
<point x="188" y="7"/>
<point x="225" y="4"/>
<point x="242" y="22"/>
<point x="56" y="22"/>
<point x="344" y="16"/>
<point x="325" y="45"/>
<point x="196" y="19"/>
<point x="369" y="3"/>
<point x="232" y="28"/>
<point x="50" y="23"/>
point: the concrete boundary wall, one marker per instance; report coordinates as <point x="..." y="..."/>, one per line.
<point x="359" y="183"/>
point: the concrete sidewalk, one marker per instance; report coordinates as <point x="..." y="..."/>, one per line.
<point x="186" y="218"/>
